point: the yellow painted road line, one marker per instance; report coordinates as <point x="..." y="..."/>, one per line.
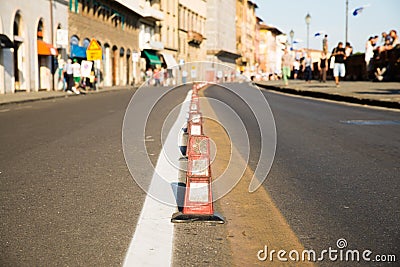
<point x="253" y="220"/>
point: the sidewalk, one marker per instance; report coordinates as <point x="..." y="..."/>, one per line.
<point x="380" y="94"/>
<point x="21" y="97"/>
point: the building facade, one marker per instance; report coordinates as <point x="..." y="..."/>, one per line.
<point x="257" y="39"/>
<point x="191" y="34"/>
<point x="29" y="50"/>
<point x="169" y="32"/>
<point x="270" y="49"/>
<point x="246" y="23"/>
<point x="150" y="43"/>
<point x="221" y="32"/>
<point x="124" y="29"/>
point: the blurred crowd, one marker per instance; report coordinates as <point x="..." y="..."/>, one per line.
<point x="375" y="50"/>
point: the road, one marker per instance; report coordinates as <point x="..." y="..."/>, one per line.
<point x="67" y="196"/>
<point x="332" y="176"/>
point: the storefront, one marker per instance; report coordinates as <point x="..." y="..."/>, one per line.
<point x="47" y="54"/>
<point x="5" y="45"/>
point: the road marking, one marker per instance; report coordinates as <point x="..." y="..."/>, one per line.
<point x="371" y="122"/>
<point x="152" y="242"/>
<point x="331" y="101"/>
<point x="253" y="219"/>
<point x="22" y="107"/>
<point x="4" y="110"/>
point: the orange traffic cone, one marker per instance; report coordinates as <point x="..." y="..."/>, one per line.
<point x="198" y="203"/>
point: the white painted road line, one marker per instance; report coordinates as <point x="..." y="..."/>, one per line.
<point x="152" y="242"/>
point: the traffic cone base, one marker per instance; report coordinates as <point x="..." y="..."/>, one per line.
<point x="180" y="217"/>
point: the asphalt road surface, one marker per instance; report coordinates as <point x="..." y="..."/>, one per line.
<point x="336" y="172"/>
<point x="67" y="197"/>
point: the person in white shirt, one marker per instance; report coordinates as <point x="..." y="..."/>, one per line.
<point x="369" y="53"/>
<point x="76" y="72"/>
<point x="68" y="75"/>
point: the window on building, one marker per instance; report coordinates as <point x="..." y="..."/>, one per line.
<point x="197" y="24"/>
<point x="74" y="40"/>
<point x="190" y="26"/>
<point x="186" y="27"/>
<point x="168" y="35"/>
<point x="170" y="6"/>
<point x="73" y="6"/>
<point x="85" y="6"/>
<point x="86" y="42"/>
<point x="106" y="14"/>
<point x="173" y="38"/>
<point x="193" y="21"/>
<point x="180" y="18"/>
<point x="95" y="6"/>
<point x="40" y="30"/>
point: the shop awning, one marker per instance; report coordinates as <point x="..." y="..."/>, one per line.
<point x="152" y="56"/>
<point x="227" y="54"/>
<point x="5" y="42"/>
<point x="78" y="51"/>
<point x="45" y="49"/>
<point x="169" y="60"/>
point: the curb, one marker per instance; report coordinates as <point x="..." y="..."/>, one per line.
<point x="20" y="101"/>
<point x="334" y="97"/>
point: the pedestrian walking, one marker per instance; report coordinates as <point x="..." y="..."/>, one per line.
<point x="323" y="67"/>
<point x="287" y="63"/>
<point x="61" y="85"/>
<point x="308" y="67"/>
<point x="162" y="76"/>
<point x="157" y="76"/>
<point x="325" y="44"/>
<point x="296" y="68"/>
<point x="76" y="72"/>
<point x="339" y="68"/>
<point x="369" y="55"/>
<point x="149" y="75"/>
<point x="184" y="76"/>
<point x="348" y="49"/>
<point x="68" y="74"/>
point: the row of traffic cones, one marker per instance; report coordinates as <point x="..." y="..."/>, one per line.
<point x="198" y="201"/>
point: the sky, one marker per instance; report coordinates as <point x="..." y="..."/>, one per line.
<point x="330" y="16"/>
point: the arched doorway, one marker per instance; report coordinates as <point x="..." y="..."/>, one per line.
<point x="20" y="65"/>
<point x="128" y="67"/>
<point x="114" y="63"/>
<point x="86" y="42"/>
<point x="98" y="67"/>
<point x="122" y="77"/>
<point x="44" y="72"/>
<point x="2" y="82"/>
<point x="74" y="40"/>
<point x="107" y="65"/>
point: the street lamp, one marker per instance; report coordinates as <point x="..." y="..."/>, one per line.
<point x="347" y="21"/>
<point x="308" y="21"/>
<point x="291" y="34"/>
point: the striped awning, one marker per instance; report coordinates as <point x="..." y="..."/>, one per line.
<point x="152" y="57"/>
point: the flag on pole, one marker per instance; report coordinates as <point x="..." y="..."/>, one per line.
<point x="359" y="10"/>
<point x="320" y="33"/>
